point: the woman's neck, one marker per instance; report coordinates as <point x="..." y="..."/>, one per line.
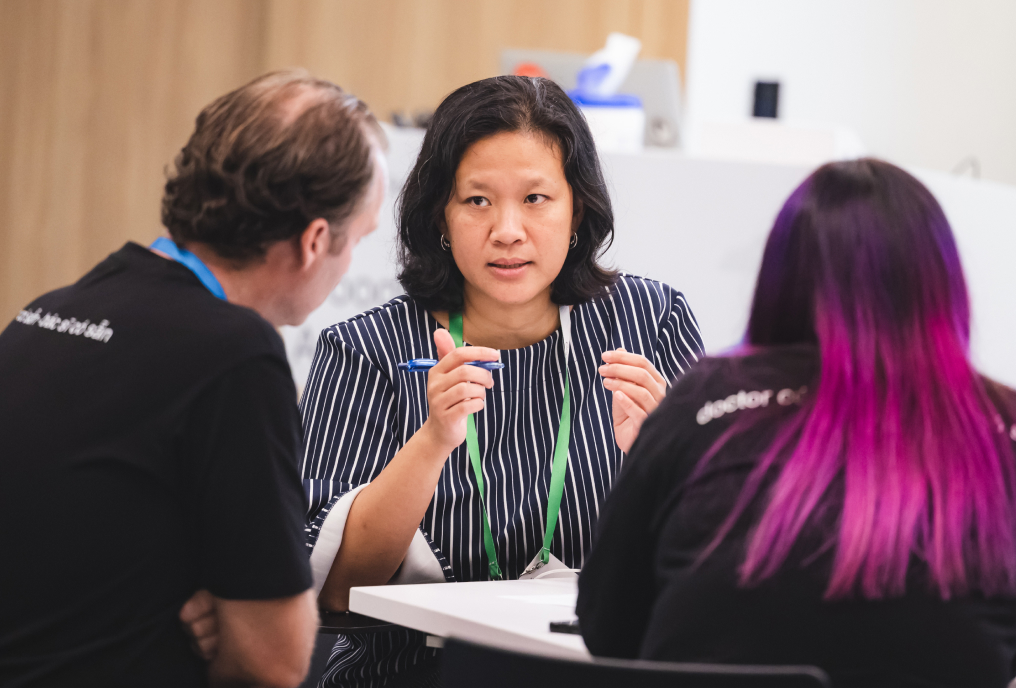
<point x="493" y="324"/>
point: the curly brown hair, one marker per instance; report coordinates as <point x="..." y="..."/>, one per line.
<point x="266" y="160"/>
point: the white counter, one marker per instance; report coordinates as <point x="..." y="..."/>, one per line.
<point x="700" y="225"/>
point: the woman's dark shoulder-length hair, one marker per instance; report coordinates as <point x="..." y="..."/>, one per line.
<point x="474" y="112"/>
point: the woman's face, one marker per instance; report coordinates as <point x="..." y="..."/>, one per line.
<point x="510" y="218"/>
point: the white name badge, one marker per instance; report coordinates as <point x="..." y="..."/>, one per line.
<point x="554" y="569"/>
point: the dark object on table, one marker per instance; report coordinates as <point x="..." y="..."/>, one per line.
<point x="464" y="665"/>
<point x="351" y="622"/>
<point x="565" y="627"/>
<point x="767" y="99"/>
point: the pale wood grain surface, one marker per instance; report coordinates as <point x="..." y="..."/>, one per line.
<point x="98" y="96"/>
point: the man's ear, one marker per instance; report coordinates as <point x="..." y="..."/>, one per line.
<point x="578" y="213"/>
<point x="315" y="242"/>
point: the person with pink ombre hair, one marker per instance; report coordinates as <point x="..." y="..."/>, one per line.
<point x="838" y="491"/>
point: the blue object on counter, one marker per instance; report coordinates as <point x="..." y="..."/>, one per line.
<point x="422" y="365"/>
<point x="587" y="88"/>
<point x="589" y="79"/>
<point x="621" y="100"/>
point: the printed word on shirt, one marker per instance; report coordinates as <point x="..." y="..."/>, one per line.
<point x="52" y="321"/>
<point x="747" y="400"/>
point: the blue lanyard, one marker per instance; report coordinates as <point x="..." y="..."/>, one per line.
<point x="192" y="263"/>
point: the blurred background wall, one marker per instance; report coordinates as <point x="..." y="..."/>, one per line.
<point x="930" y="83"/>
<point x="97" y="96"/>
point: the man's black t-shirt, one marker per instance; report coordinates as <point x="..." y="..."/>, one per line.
<point x="148" y="448"/>
<point x="641" y="594"/>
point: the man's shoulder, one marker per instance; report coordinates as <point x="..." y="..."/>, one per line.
<point x="241" y="329"/>
<point x="193" y="317"/>
<point x="152" y="305"/>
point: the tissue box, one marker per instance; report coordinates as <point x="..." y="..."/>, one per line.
<point x="618" y="123"/>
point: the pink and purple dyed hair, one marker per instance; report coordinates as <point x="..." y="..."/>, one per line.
<point x="861" y="261"/>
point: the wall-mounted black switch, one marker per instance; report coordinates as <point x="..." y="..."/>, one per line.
<point x="767" y="99"/>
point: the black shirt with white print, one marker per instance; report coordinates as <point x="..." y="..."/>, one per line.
<point x="641" y="593"/>
<point x="149" y="437"/>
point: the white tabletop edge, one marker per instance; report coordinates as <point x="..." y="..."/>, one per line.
<point x="383" y="602"/>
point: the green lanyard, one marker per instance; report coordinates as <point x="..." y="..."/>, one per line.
<point x="557" y="470"/>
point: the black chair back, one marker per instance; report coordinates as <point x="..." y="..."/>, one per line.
<point x="467" y="665"/>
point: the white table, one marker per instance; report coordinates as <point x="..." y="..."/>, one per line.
<point x="513" y="615"/>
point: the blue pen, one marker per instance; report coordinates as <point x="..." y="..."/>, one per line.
<point x="422" y="365"/>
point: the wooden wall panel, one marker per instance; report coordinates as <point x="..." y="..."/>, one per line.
<point x="405" y="55"/>
<point x="98" y="96"/>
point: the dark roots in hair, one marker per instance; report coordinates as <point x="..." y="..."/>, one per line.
<point x="266" y="160"/>
<point x="474" y="112"/>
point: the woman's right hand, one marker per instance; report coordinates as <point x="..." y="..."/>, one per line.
<point x="455" y="390"/>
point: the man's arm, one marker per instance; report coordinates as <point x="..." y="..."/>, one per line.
<point x="254" y="642"/>
<point x="241" y="445"/>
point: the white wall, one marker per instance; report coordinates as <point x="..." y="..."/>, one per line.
<point x="923" y="82"/>
<point x="700" y="226"/>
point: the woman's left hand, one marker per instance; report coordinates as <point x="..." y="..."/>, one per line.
<point x="638" y="389"/>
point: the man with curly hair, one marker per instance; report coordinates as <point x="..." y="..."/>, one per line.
<point x="149" y="421"/>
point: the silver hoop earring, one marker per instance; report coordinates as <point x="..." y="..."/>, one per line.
<point x="574" y="241"/>
<point x="444" y="243"/>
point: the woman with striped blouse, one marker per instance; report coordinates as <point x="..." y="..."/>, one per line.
<point x="462" y="473"/>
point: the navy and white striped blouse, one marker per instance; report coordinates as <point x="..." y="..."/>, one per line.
<point x="359" y="410"/>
